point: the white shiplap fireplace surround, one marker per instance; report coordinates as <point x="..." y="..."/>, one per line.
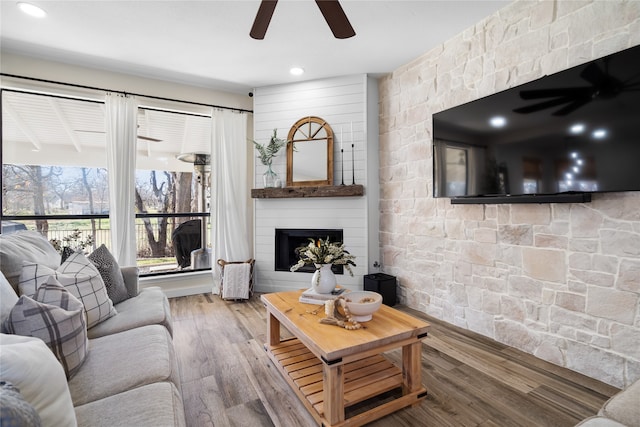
<point x="345" y="103"/>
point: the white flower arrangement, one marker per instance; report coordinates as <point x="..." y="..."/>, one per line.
<point x="319" y="252"/>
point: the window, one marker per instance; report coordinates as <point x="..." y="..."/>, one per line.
<point x="170" y="196"/>
<point x="55" y="179"/>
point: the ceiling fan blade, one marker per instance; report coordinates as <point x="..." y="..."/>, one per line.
<point x="263" y="17"/>
<point x="148" y="138"/>
<point x="554" y="93"/>
<point x="593" y="74"/>
<point x="336" y="18"/>
<point x="572" y="107"/>
<point x="89" y="131"/>
<point x="542" y="105"/>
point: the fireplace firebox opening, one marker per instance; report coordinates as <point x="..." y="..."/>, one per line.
<point x="288" y="239"/>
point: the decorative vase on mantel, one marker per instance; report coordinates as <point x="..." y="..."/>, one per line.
<point x="323" y="280"/>
<point x="269" y="178"/>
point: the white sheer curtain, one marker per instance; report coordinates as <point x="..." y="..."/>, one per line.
<point x="229" y="185"/>
<point x="121" y="127"/>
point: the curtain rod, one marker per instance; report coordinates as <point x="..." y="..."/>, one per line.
<point x="242" y="110"/>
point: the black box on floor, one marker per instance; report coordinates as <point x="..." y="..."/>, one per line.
<point x="383" y="284"/>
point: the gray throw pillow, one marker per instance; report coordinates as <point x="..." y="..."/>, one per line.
<point x="16" y="411"/>
<point x="56" y="317"/>
<point x="111" y="274"/>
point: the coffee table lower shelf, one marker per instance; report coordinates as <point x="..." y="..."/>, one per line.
<point x="363" y="379"/>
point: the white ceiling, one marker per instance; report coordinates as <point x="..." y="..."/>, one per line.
<point x="207" y="43"/>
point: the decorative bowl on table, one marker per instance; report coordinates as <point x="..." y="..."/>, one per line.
<point x="362" y="304"/>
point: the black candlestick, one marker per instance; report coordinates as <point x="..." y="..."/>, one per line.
<point x="353" y="166"/>
<point x="342" y="163"/>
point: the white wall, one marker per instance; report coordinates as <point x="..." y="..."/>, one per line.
<point x="342" y="102"/>
<point x="26" y="66"/>
<point x="560" y="281"/>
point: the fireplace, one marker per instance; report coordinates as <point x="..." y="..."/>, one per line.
<point x="288" y="239"/>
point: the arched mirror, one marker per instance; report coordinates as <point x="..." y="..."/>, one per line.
<point x="310" y="153"/>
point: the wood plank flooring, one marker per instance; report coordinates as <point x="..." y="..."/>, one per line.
<point x="228" y="380"/>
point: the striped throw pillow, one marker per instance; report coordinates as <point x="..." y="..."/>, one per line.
<point x="56" y="317"/>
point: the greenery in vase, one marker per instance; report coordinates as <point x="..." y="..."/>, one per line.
<point x="321" y="251"/>
<point x="268" y="151"/>
<point x="73" y="241"/>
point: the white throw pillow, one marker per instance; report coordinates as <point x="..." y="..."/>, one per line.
<point x="25" y="245"/>
<point x="29" y="365"/>
<point x="8" y="299"/>
<point x="80" y="277"/>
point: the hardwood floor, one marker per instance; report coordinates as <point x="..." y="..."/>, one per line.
<point x="227" y="379"/>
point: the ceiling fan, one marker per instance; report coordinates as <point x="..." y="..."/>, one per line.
<point x="331" y="10"/>
<point x="603" y="86"/>
<point x="141" y="137"/>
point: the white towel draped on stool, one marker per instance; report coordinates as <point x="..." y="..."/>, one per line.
<point x="235" y="282"/>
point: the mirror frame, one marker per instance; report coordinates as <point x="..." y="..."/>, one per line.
<point x="308" y="121"/>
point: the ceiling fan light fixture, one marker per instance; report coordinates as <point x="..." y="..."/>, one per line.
<point x="32" y="10"/>
<point x="498" y="121"/>
<point x="296" y="71"/>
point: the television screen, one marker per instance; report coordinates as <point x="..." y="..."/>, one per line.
<point x="576" y="131"/>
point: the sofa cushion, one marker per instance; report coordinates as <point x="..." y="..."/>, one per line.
<point x="111" y="274"/>
<point x="80" y="277"/>
<point x="150" y="307"/>
<point x="8" y="298"/>
<point x="599" y="422"/>
<point x="57" y="318"/>
<point x="152" y="405"/>
<point x="16" y="411"/>
<point x="29" y="365"/>
<point x="124" y="361"/>
<point x="624" y="407"/>
<point x="25" y="245"/>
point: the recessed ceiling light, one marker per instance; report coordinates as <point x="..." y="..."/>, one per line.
<point x="32" y="10"/>
<point x="599" y="133"/>
<point x="297" y="71"/>
<point x="498" y="121"/>
<point x="577" y="128"/>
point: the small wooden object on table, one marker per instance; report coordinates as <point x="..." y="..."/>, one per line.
<point x="331" y="368"/>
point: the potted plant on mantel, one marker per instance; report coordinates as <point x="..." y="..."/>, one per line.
<point x="323" y="254"/>
<point x="266" y="154"/>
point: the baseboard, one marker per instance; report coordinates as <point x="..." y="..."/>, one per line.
<point x="180" y="285"/>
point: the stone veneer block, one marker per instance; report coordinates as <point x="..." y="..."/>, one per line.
<point x="545" y="264"/>
<point x="531" y="214"/>
<point x="612" y="304"/>
<point x="570" y="301"/>
<point x="585" y="222"/>
<point x="629" y="276"/>
<point x="620" y="243"/>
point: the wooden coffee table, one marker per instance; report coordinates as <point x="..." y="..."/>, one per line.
<point x="331" y="368"/>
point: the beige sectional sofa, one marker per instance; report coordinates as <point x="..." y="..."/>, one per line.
<point x="129" y="375"/>
<point x="622" y="410"/>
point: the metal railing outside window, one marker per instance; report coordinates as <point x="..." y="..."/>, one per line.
<point x="96" y="227"/>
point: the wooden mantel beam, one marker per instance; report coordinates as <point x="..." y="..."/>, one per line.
<point x="301" y="192"/>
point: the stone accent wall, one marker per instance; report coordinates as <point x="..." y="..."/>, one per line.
<point x="560" y="281"/>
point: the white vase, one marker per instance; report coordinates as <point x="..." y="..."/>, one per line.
<point x="323" y="280"/>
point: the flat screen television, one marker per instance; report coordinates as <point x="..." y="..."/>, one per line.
<point x="556" y="139"/>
